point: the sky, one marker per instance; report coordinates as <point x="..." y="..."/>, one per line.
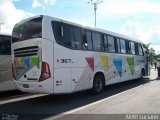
<point x="138" y="19"/>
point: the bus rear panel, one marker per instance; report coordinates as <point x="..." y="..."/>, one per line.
<point x="31" y="70"/>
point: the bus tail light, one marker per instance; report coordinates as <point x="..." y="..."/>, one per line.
<point x="45" y="72"/>
<point x="13" y="75"/>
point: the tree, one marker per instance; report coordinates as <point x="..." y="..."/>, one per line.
<point x="151" y="52"/>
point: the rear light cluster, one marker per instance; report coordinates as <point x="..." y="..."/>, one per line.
<point x="45" y="72"/>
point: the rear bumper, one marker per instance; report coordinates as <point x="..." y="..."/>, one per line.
<point x="35" y="87"/>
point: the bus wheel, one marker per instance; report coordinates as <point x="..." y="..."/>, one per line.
<point x="98" y="84"/>
<point x="142" y="74"/>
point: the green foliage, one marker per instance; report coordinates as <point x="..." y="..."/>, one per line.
<point x="151" y="52"/>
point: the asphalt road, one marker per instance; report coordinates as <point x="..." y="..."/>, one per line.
<point x="123" y="98"/>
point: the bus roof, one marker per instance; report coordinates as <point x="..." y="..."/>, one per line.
<point x="90" y="28"/>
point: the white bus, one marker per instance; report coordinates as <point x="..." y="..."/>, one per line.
<point x="6" y="82"/>
<point x="54" y="56"/>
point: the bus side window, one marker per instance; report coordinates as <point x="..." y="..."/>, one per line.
<point x="117" y="45"/>
<point x="84" y="41"/>
<point x="111" y="44"/>
<point x="127" y="47"/>
<point x="132" y="48"/>
<point x="140" y="49"/>
<point x="67" y="35"/>
<point x="105" y="43"/>
<point x="1" y="41"/>
<point x="61" y="31"/>
<point x="136" y="49"/>
<point x="5" y="45"/>
<point x="87" y="41"/>
<point x="123" y="45"/>
<point x="97" y="41"/>
<point x="76" y="42"/>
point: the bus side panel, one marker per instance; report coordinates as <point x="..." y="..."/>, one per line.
<point x="62" y="80"/>
<point x="71" y="70"/>
<point x="138" y="67"/>
<point x="83" y="70"/>
<point x="124" y="68"/>
<point x="141" y="64"/>
<point x="81" y="78"/>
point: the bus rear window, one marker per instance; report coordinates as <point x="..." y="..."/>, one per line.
<point x="27" y="30"/>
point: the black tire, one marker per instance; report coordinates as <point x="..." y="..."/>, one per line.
<point x="98" y="84"/>
<point x="142" y="74"/>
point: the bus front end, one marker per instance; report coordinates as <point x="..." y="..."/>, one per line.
<point x="31" y="68"/>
